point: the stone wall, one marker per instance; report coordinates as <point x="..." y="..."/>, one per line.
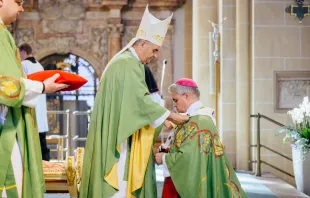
<point x="94" y="30"/>
<point x="257" y="38"/>
<point x="280" y="43"/>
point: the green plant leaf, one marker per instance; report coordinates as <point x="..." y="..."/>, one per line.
<point x="305" y="133"/>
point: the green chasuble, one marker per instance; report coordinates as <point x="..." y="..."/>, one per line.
<point x="122" y="107"/>
<point x="198" y="164"/>
<point x="19" y="123"/>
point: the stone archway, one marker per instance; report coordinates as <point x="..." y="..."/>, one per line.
<point x="78" y="100"/>
<point x="97" y="65"/>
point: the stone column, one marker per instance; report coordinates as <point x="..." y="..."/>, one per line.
<point x="115" y="39"/>
<point x="188" y="35"/>
<point x="115" y="25"/>
<point x="243" y="71"/>
<point x="203" y="11"/>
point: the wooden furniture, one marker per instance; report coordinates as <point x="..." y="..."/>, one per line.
<point x="64" y="176"/>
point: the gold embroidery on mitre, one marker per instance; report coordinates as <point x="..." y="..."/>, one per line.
<point x="141" y="33"/>
<point x="158" y="38"/>
<point x="168" y="24"/>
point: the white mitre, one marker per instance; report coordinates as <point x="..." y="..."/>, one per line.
<point x="150" y="29"/>
<point x="153" y="29"/>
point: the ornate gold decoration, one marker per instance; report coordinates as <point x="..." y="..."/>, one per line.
<point x="71" y="175"/>
<point x="141" y="33"/>
<point x="70" y="171"/>
<point x="184" y="132"/>
<point x="9" y="87"/>
<point x="231" y="185"/>
<point x="227" y="171"/>
<point x="178" y="139"/>
<point x="79" y="155"/>
<point x="234" y="192"/>
<point x="218" y="147"/>
<point x="62" y="65"/>
<point x="158" y="38"/>
<point x="202" y="180"/>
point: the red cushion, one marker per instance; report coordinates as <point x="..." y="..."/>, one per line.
<point x="75" y="81"/>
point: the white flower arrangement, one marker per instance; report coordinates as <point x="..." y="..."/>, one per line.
<point x="298" y="135"/>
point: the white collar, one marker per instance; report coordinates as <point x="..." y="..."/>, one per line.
<point x="1" y="22"/>
<point x="197" y="108"/>
<point x="196" y="105"/>
<point x="133" y="51"/>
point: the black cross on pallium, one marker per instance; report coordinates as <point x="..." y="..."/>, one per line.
<point x="299" y="11"/>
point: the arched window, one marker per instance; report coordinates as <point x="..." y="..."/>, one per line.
<point x="79" y="100"/>
<point x="74" y="64"/>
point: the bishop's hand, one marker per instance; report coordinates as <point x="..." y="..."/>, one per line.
<point x="168" y="125"/>
<point x="177" y="118"/>
<point x="158" y="158"/>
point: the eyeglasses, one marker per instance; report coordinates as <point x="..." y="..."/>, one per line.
<point x="176" y="100"/>
<point x="19" y="2"/>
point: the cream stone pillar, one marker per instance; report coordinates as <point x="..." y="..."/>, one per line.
<point x="115" y="26"/>
<point x="243" y="65"/>
<point x="188" y="35"/>
<point x="202" y="12"/>
<point x="115" y="39"/>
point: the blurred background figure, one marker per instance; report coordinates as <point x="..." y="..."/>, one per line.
<point x="31" y="65"/>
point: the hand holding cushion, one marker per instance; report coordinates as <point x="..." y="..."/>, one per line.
<point x="57" y="80"/>
<point x="51" y="86"/>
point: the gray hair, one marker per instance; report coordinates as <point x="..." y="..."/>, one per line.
<point x="139" y="41"/>
<point x="180" y="90"/>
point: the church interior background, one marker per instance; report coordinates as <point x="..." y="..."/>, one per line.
<point x="263" y="53"/>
